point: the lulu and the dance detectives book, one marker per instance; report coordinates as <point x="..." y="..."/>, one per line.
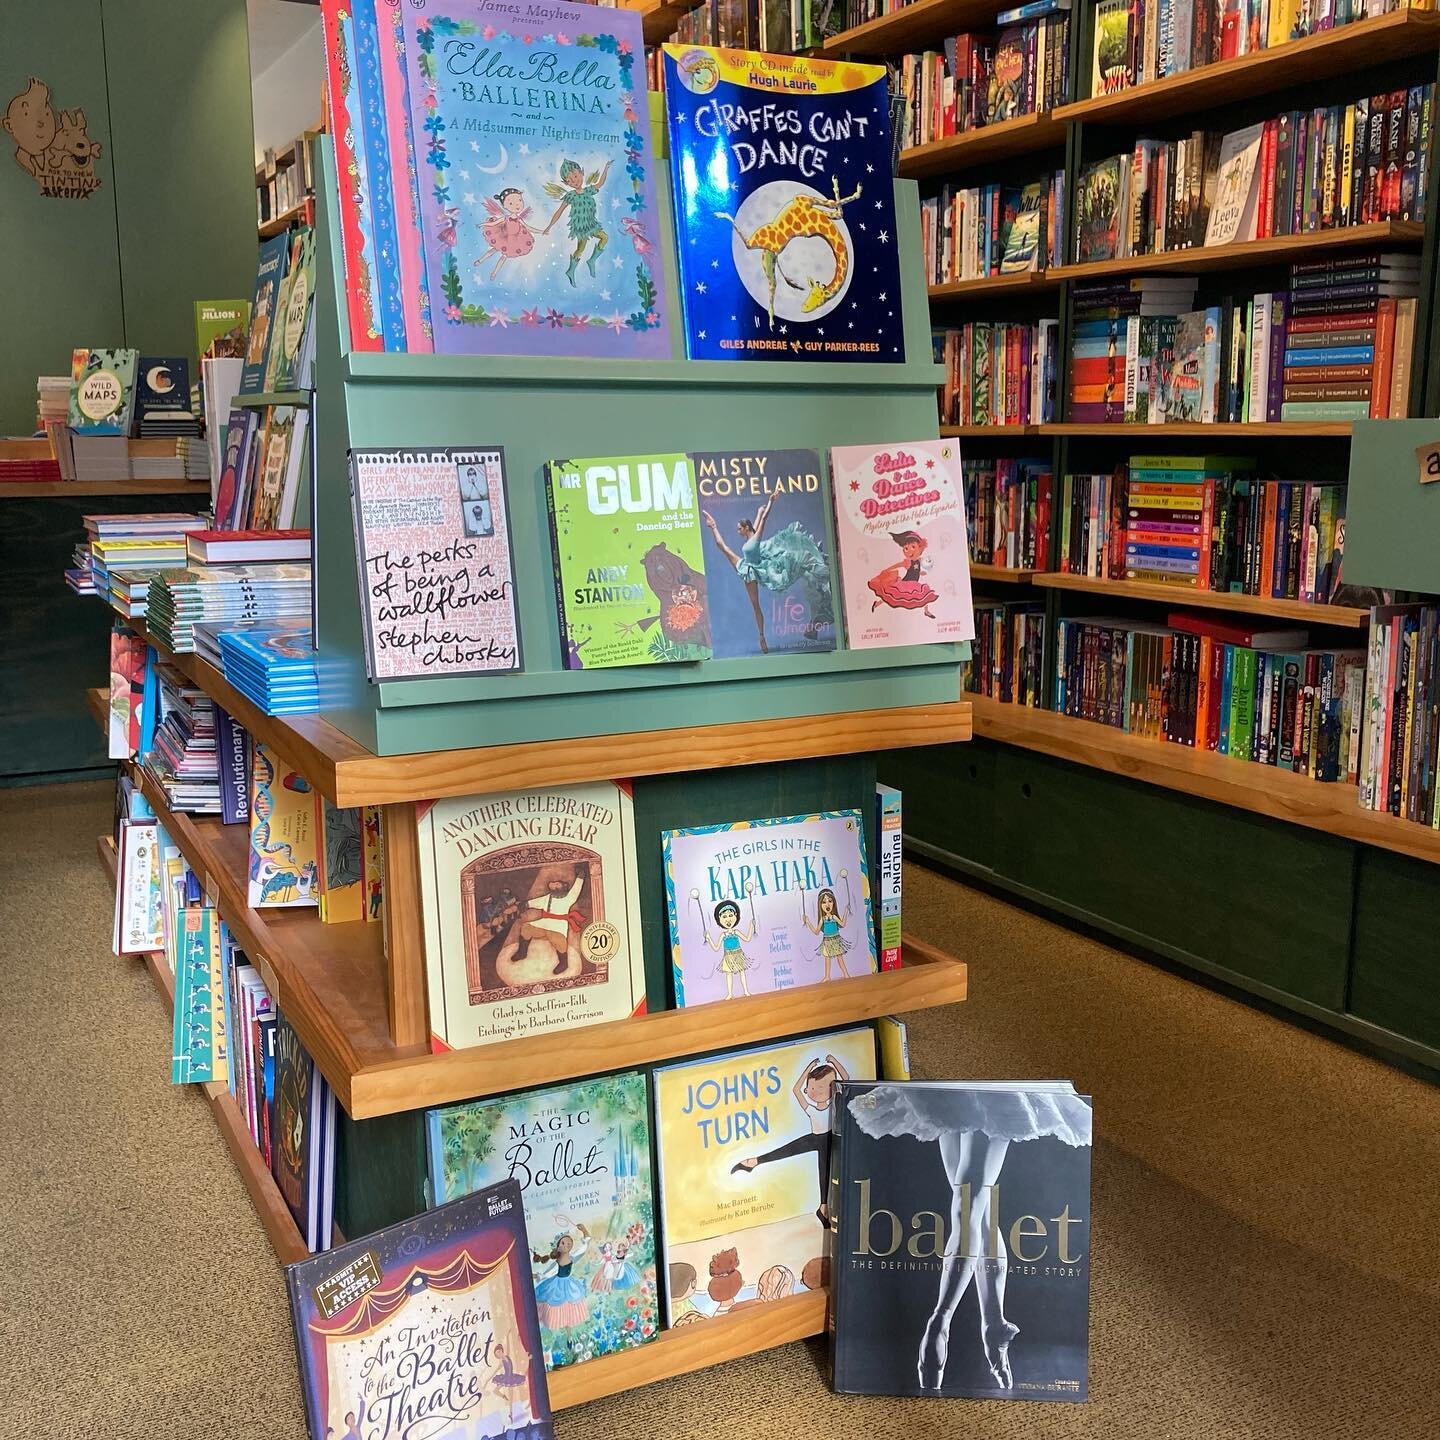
<point x="426" y="1328"/>
<point x="581" y="1154"/>
<point x="630" y="583"/>
<point x="532" y="911"/>
<point x="743" y="1145"/>
<point x="900" y="531"/>
<point x="763" y="905"/>
<point x="784" y="207"/>
<point x="767" y="551"/>
<point x="531" y="136"/>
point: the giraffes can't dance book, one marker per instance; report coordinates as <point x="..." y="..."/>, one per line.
<point x="784" y="207"/>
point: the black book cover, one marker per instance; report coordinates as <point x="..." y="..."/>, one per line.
<point x="961" y="1260"/>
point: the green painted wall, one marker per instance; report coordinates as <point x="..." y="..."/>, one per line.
<point x="166" y="91"/>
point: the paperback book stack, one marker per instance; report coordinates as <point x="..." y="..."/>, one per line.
<point x="1402" y="713"/>
<point x="1119" y="349"/>
<point x="52" y="415"/>
<point x="183" y="758"/>
<point x="118" y="542"/>
<point x="182" y="598"/>
<point x="26" y="462"/>
<point x="272" y="665"/>
<point x="972" y="232"/>
<point x="1207" y="684"/>
<point x="1007" y="511"/>
<point x="1007" y="656"/>
<point x="101" y="412"/>
<point x="998" y="373"/>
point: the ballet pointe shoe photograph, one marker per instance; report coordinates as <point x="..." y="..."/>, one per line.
<point x="997" y="1352"/>
<point x="934" y="1348"/>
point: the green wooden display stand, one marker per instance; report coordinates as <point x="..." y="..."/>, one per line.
<point x="540" y="409"/>
<point x="1392" y="520"/>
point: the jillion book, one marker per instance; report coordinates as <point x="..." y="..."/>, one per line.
<point x="581" y="1154"/>
<point x="426" y="1328"/>
<point x="962" y="1240"/>
<point x="784" y="207"/>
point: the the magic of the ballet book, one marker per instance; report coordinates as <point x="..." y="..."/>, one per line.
<point x="961" y="1259"/>
<point x="784" y="207"/>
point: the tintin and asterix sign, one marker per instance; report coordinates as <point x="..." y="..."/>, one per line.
<point x="52" y="146"/>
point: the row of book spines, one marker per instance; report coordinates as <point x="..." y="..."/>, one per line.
<point x="1007" y="657"/>
<point x="1399" y="761"/>
<point x="999" y="374"/>
<point x="1297" y="711"/>
<point x="965" y="231"/>
<point x="1008" y="513"/>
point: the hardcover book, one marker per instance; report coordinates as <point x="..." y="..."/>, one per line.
<point x="452" y="1285"/>
<point x="743" y="1149"/>
<point x="630" y="582"/>
<point x="432" y="541"/>
<point x="232" y="495"/>
<point x="784" y="207"/>
<point x="283" y="367"/>
<point x="102" y="391"/>
<point x="1098" y="207"/>
<point x="341" y="854"/>
<point x="276" y="490"/>
<point x="269" y="273"/>
<point x="532" y="912"/>
<point x="302" y="1150"/>
<point x="536" y="193"/>
<point x="162" y="390"/>
<point x="767" y="551"/>
<point x="283" y="861"/>
<point x="220" y="328"/>
<point x="900" y="533"/>
<point x="757" y="906"/>
<point x="962" y="1240"/>
<point x="581" y="1156"/>
<point x="198" y="1052"/>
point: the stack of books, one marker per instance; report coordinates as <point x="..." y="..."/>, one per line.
<point x="1007" y="656"/>
<point x="150" y="540"/>
<point x="1109" y="350"/>
<point x="1007" y="511"/>
<point x="180" y="599"/>
<point x="273" y="665"/>
<point x="998" y="372"/>
<point x="183" y="759"/>
<point x="1398" y="750"/>
<point x="26" y="462"/>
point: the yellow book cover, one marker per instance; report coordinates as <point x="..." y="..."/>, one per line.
<point x="283" y="834"/>
<point x="744" y="1156"/>
<point x="342" y="863"/>
<point x="373" y="842"/>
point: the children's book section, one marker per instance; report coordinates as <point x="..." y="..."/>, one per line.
<point x="514" y="856"/>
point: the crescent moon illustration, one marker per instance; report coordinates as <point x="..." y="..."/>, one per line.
<point x="158" y="379"/>
<point x="497" y="167"/>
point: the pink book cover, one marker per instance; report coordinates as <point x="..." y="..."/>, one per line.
<point x="900" y="535"/>
<point x="404" y="182"/>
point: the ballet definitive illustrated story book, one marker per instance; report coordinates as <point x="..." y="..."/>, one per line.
<point x="784" y="207"/>
<point x="962" y="1240"/>
<point x="425" y="1328"/>
<point x="532" y="912"/>
<point x="581" y="1154"/>
<point x="743" y="1145"/>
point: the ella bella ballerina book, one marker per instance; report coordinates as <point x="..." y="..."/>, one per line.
<point x="962" y="1240"/>
<point x="768" y="567"/>
<point x="581" y="1155"/>
<point x="743" y="1145"/>
<point x="630" y="586"/>
<point x="784" y="207"/>
<point x="757" y="906"/>
<point x="532" y="912"/>
<point x="424" y="1328"/>
<point x="900" y="532"/>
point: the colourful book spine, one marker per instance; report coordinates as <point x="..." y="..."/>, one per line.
<point x="888" y="875"/>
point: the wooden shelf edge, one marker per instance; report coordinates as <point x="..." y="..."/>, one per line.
<point x="927" y="979"/>
<point x="38" y="489"/>
<point x="97" y="702"/>
<point x="988" y="432"/>
<point x="982" y="145"/>
<point x="691" y="1347"/>
<point x="1002" y="574"/>
<point x="1180" y="596"/>
<point x="1260" y="789"/>
<point x="1179" y="430"/>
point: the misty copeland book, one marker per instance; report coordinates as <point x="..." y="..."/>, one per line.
<point x="581" y="1154"/>
<point x="763" y="905"/>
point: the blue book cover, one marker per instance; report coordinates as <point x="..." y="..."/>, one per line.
<point x="768" y="562"/>
<point x="269" y="272"/>
<point x="1325" y="355"/>
<point x="784" y="207"/>
<point x="162" y="387"/>
<point x="284" y="647"/>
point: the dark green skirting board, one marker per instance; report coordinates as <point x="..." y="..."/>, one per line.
<point x="1334" y="933"/>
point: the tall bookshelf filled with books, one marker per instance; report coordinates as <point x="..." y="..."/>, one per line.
<point x="1247" y="211"/>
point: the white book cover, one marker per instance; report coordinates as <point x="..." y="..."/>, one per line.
<point x="1234" y="212"/>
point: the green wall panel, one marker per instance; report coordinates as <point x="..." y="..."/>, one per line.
<point x="949" y="791"/>
<point x="1396" y="979"/>
<point x="380" y="1171"/>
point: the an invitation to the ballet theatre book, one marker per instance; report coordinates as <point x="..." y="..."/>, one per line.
<point x="784" y="207"/>
<point x="426" y="1328"/>
<point x="962" y="1239"/>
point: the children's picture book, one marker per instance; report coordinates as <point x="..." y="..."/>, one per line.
<point x="768" y="569"/>
<point x="1025" y="213"/>
<point x="341" y="856"/>
<point x="220" y="328"/>
<point x="436" y="571"/>
<point x="232" y="494"/>
<point x="302" y="1150"/>
<point x="138" y="892"/>
<point x="1187" y="369"/>
<point x="283" y="367"/>
<point x="581" y="1156"/>
<point x="1235" y="209"/>
<point x="269" y="273"/>
<point x="283" y="833"/>
<point x="162" y="391"/>
<point x="743" y="1149"/>
<point x="784" y="207"/>
<point x="102" y="391"/>
<point x="900" y="533"/>
<point x="532" y="148"/>
<point x="453" y="1285"/>
<point x="961" y="1261"/>
<point x="198" y="1053"/>
<point x="757" y="906"/>
<point x="532" y="912"/>
<point x="630" y="582"/>
<point x="282" y="449"/>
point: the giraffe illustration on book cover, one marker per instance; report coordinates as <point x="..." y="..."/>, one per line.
<point x="784" y="207"/>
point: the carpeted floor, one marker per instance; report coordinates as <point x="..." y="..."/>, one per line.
<point x="1265" y="1204"/>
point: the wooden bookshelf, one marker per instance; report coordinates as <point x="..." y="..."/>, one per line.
<point x="989" y="432"/>
<point x="659" y="17"/>
<point x="39" y="489"/>
<point x="1183" y="596"/>
<point x="986" y="287"/>
<point x="1135" y="435"/>
<point x="1260" y="789"/>
<point x="1023" y="135"/>
<point x="913" y="27"/>
<point x="1299" y="62"/>
<point x="279" y="224"/>
<point x="97" y="702"/>
<point x="1002" y="574"/>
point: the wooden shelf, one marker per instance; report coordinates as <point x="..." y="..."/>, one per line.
<point x="989" y="432"/>
<point x="1260" y="789"/>
<point x="349" y="774"/>
<point x="1004" y="574"/>
<point x="990" y="285"/>
<point x="270" y="1206"/>
<point x="691" y="1347"/>
<point x="1277" y="250"/>
<point x="97" y="702"/>
<point x="659" y="17"/>
<point x="1264" y="72"/>
<point x="913" y="26"/>
<point x="278" y="224"/>
<point x="1249" y="430"/>
<point x="1181" y="596"/>
<point x="1023" y="135"/>
<point x="35" y="489"/>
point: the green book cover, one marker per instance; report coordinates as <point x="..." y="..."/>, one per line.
<point x="1242" y="703"/>
<point x="297" y="292"/>
<point x="629" y="564"/>
<point x="220" y="328"/>
<point x="102" y="391"/>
